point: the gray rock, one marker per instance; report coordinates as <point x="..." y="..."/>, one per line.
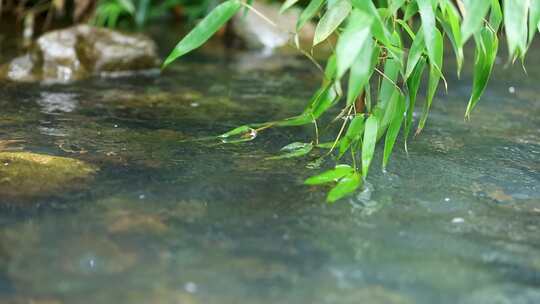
<point x="81" y="51"/>
<point x="256" y="33"/>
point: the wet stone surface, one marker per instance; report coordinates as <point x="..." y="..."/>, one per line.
<point x="82" y="51"/>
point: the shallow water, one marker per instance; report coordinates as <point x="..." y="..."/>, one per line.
<point x="169" y="220"/>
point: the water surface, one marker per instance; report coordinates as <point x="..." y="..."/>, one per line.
<point x="169" y="220"/>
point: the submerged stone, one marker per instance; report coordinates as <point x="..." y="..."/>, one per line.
<point x="81" y="51"/>
<point x="25" y="175"/>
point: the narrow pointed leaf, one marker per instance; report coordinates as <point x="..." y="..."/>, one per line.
<point x="368" y="145"/>
<point x="413" y="84"/>
<point x="429" y="28"/>
<point x="434" y="78"/>
<point x="294" y="150"/>
<point x="534" y="19"/>
<point x="354" y="132"/>
<point x="361" y="70"/>
<point x="475" y="12"/>
<point x="357" y="33"/>
<point x="515" y="24"/>
<point x="308" y="13"/>
<point x="204" y="29"/>
<point x="331" y="20"/>
<point x="484" y="61"/>
<point x="344" y="187"/>
<point x="393" y="129"/>
<point x="286" y="5"/>
<point x="330" y="176"/>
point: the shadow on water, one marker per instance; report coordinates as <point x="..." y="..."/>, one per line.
<point x="166" y="220"/>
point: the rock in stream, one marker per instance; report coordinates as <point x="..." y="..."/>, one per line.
<point x="81" y="51"/>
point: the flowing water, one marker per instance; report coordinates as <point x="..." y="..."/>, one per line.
<point x="171" y="220"/>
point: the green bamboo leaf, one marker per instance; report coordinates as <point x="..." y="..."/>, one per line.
<point x="344" y="187"/>
<point x="286" y="5"/>
<point x="335" y="15"/>
<point x="368" y="145"/>
<point x="237" y="131"/>
<point x="393" y="129"/>
<point x="361" y="70"/>
<point x="434" y="78"/>
<point x="475" y="12"/>
<point x="410" y="11"/>
<point x="354" y="133"/>
<point x="413" y="84"/>
<point x="331" y="68"/>
<point x="450" y="21"/>
<point x="429" y="27"/>
<point x="308" y="13"/>
<point x="379" y="28"/>
<point x="487" y="45"/>
<point x="326" y="100"/>
<point x="515" y="24"/>
<point x="394" y="6"/>
<point x="415" y="52"/>
<point x="496" y="15"/>
<point x="204" y="29"/>
<point x="389" y="82"/>
<point x="330" y="176"/>
<point x="357" y="33"/>
<point x="534" y="19"/>
<point x="299" y="120"/>
<point x="293" y="150"/>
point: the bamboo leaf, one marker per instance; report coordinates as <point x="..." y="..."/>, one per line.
<point x="357" y="33"/>
<point x="344" y="187"/>
<point x="450" y="21"/>
<point x="368" y="145"/>
<point x="429" y="28"/>
<point x="293" y="150"/>
<point x="330" y="176"/>
<point x="515" y="24"/>
<point x="331" y="20"/>
<point x="415" y="52"/>
<point x="354" y="133"/>
<point x="286" y="5"/>
<point x="486" y="52"/>
<point x="475" y="12"/>
<point x="393" y="129"/>
<point x="361" y="70"/>
<point x="204" y="29"/>
<point x="237" y="131"/>
<point x="413" y="84"/>
<point x="308" y="13"/>
<point x="534" y="19"/>
<point x="434" y="78"/>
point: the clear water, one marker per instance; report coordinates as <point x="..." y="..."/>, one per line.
<point x="173" y="221"/>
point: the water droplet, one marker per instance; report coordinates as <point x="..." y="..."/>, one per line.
<point x="191" y="287"/>
<point x="458" y="220"/>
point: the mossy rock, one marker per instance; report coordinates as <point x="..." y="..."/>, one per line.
<point x="25" y="175"/>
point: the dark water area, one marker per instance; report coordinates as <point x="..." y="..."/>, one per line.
<point x="167" y="219"/>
